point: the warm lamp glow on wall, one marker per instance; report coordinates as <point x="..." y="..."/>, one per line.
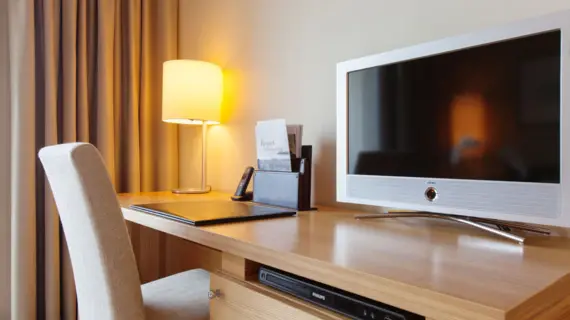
<point x="192" y="95"/>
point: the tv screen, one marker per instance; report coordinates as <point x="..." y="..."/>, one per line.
<point x="490" y="112"/>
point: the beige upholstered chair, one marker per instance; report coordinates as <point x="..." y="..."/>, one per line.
<point x="106" y="275"/>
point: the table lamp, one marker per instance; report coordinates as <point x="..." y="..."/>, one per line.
<point x="192" y="95"/>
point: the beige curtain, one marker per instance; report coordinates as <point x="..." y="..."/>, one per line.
<point x="82" y="70"/>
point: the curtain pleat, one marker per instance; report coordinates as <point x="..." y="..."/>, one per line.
<point x="159" y="39"/>
<point x="104" y="106"/>
<point x="73" y="123"/>
<point x="23" y="163"/>
<point x="88" y="71"/>
<point x="49" y="43"/>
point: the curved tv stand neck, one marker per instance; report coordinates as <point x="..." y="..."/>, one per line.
<point x="503" y="228"/>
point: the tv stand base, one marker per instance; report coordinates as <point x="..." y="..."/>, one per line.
<point x="503" y="228"/>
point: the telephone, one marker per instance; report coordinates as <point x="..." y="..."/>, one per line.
<point x="241" y="193"/>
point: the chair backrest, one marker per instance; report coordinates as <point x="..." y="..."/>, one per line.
<point x="104" y="267"/>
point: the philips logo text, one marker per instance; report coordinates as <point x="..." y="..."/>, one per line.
<point x="318" y="296"/>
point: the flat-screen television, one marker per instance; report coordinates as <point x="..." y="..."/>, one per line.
<point x="473" y="125"/>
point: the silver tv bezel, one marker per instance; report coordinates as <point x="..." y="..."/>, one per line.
<point x="554" y="208"/>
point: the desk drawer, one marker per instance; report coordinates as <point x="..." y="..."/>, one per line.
<point x="240" y="300"/>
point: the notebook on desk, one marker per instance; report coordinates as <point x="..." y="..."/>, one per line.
<point x="212" y="212"/>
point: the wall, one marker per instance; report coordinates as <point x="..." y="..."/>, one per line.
<point x="280" y="56"/>
<point x="4" y="166"/>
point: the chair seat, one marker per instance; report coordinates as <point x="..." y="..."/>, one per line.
<point x="180" y="296"/>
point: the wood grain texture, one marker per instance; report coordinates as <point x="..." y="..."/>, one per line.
<point x="160" y="255"/>
<point x="239" y="267"/>
<point x="437" y="269"/>
<point x="244" y="301"/>
<point x="310" y="308"/>
<point x="549" y="304"/>
<point x="150" y="254"/>
<point x="182" y="255"/>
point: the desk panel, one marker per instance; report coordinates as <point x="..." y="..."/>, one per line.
<point x="434" y="268"/>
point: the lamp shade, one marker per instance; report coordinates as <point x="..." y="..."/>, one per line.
<point x="191" y="92"/>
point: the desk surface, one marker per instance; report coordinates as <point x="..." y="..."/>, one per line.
<point x="435" y="268"/>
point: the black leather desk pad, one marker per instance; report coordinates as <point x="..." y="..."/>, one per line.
<point x="202" y="213"/>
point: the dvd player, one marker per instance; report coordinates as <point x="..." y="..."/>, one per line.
<point x="348" y="304"/>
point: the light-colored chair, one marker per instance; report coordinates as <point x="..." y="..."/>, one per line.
<point x="106" y="275"/>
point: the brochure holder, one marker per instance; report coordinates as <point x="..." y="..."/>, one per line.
<point x="286" y="189"/>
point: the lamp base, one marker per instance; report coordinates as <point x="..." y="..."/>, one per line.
<point x="192" y="190"/>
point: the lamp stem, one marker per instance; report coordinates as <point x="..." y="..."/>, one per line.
<point x="204" y="155"/>
<point x="204" y="188"/>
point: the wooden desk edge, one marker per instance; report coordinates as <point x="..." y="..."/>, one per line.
<point x="551" y="303"/>
<point x="548" y="303"/>
<point x="402" y="295"/>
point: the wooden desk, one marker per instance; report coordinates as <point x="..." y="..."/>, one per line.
<point x="434" y="268"/>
